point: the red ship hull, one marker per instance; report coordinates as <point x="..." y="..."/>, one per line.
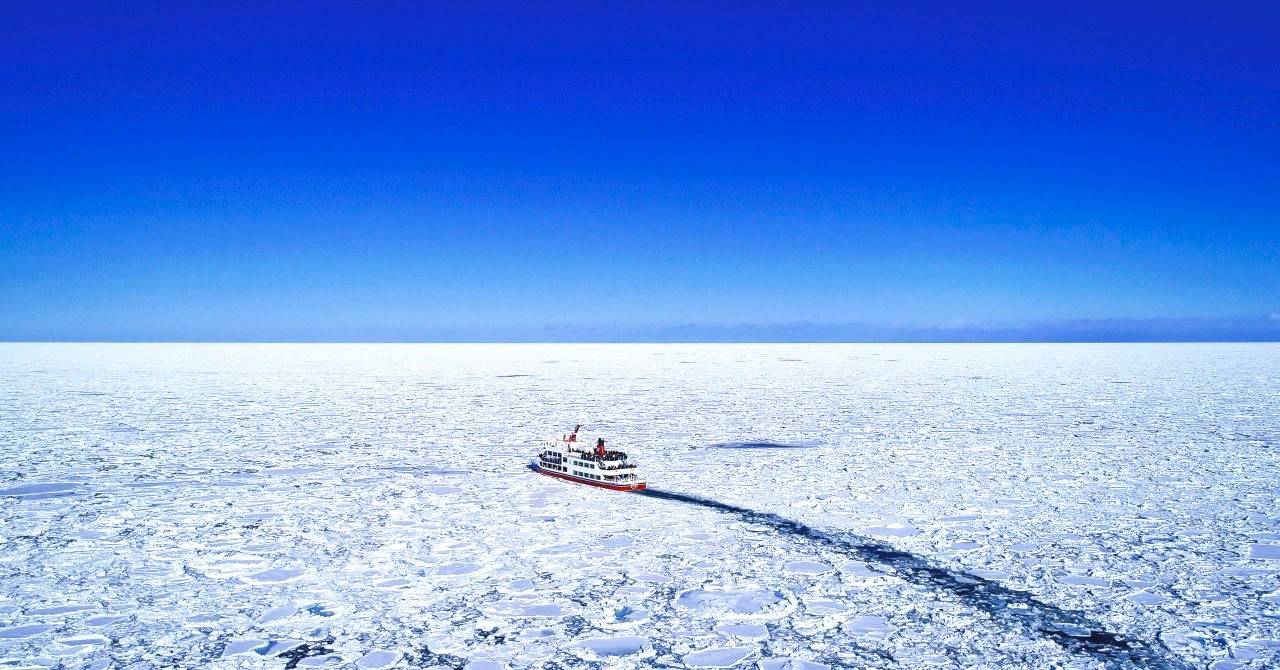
<point x="589" y="482"/>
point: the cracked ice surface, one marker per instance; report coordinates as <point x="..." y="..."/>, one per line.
<point x="270" y="506"/>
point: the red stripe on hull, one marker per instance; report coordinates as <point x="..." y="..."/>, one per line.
<point x="592" y="482"/>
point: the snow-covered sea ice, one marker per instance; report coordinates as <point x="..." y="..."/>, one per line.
<point x="875" y="506"/>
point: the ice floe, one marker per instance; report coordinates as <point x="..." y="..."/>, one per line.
<point x="1266" y="552"/>
<point x="807" y="567"/>
<point x="378" y="659"/>
<point x="736" y="602"/>
<point x="599" y="648"/>
<point x="723" y="657"/>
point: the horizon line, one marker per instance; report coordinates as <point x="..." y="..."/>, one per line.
<point x="953" y="341"/>
<point x="1259" y="328"/>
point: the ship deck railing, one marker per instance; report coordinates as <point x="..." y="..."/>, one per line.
<point x="604" y="463"/>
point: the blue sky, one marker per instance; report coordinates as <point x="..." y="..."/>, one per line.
<point x="403" y="171"/>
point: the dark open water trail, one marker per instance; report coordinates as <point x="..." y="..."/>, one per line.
<point x="1072" y="630"/>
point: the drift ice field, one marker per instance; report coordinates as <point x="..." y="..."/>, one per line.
<point x="861" y="506"/>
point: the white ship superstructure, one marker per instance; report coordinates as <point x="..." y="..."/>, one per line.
<point x="596" y="465"/>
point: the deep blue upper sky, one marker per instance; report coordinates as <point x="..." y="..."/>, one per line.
<point x="404" y="171"/>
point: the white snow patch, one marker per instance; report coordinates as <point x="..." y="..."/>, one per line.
<point x="895" y="530"/>
<point x="379" y="658"/>
<point x="725" y="657"/>
<point x="807" y="567"/>
<point x="750" y="631"/>
<point x="868" y="626"/>
<point x="743" y="602"/>
<point x="23" y="631"/>
<point x="1265" y="552"/>
<point x="598" y="648"/>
